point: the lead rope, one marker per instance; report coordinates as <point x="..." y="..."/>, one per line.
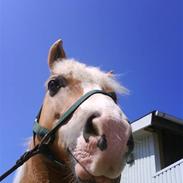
<point x="26" y="156"/>
<point x="38" y="149"/>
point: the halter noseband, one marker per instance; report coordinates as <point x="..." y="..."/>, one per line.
<point x="47" y="136"/>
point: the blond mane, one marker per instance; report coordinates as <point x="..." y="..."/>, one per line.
<point x="83" y="73"/>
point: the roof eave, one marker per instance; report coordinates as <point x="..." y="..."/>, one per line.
<point x="149" y="120"/>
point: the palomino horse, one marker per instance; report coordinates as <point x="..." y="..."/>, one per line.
<point x="94" y="142"/>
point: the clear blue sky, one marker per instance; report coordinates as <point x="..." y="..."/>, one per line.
<point x="142" y="40"/>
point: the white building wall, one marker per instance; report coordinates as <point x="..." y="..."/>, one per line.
<point x="143" y="168"/>
<point x="170" y="174"/>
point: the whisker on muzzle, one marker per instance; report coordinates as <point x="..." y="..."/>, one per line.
<point x="72" y="155"/>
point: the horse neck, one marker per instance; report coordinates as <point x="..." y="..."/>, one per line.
<point x="40" y="169"/>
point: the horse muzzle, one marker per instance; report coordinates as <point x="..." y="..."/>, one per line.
<point x="102" y="148"/>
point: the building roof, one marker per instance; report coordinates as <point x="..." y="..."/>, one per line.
<point x="157" y="120"/>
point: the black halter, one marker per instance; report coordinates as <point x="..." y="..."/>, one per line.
<point x="47" y="136"/>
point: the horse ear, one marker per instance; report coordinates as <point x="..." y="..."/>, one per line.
<point x="56" y="52"/>
<point x="110" y="74"/>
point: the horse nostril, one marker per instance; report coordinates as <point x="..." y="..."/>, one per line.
<point x="89" y="128"/>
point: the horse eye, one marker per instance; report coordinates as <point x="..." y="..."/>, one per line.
<point x="55" y="84"/>
<point x="53" y="87"/>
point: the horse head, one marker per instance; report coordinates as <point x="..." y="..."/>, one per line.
<point x="96" y="139"/>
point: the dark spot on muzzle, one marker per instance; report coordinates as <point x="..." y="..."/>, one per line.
<point x="102" y="143"/>
<point x="129" y="155"/>
<point x="130" y="144"/>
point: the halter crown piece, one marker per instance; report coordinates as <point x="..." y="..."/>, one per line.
<point x="47" y="136"/>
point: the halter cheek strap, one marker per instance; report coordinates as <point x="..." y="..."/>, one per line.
<point x="39" y="130"/>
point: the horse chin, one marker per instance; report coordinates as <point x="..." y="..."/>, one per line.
<point x="99" y="180"/>
<point x="85" y="177"/>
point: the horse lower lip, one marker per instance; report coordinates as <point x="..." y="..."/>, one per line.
<point x="100" y="179"/>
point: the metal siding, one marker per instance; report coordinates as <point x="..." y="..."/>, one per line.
<point x="143" y="170"/>
<point x="171" y="174"/>
<point x="144" y="166"/>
